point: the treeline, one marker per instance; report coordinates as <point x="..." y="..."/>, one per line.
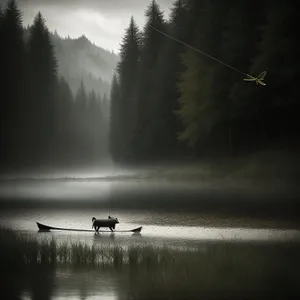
<point x="41" y="122"/>
<point x="168" y="100"/>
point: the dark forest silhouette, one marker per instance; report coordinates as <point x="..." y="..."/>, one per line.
<point x="42" y="122"/>
<point x="168" y="101"/>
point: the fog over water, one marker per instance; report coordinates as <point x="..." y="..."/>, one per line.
<point x="174" y="212"/>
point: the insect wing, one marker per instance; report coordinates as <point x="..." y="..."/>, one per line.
<point x="262" y="75"/>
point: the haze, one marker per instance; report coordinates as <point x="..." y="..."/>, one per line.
<point x="200" y="166"/>
<point x="102" y="21"/>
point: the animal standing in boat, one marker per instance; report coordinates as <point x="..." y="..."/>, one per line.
<point x="47" y="228"/>
<point x="104" y="223"/>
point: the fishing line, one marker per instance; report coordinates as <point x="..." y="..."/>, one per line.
<point x="109" y="199"/>
<point x="257" y="79"/>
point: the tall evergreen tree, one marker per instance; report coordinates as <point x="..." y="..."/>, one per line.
<point x="128" y="80"/>
<point x="146" y="139"/>
<point x="277" y="105"/>
<point x="12" y="55"/>
<point x="219" y="112"/>
<point x="239" y="111"/>
<point x="204" y="109"/>
<point x="216" y="13"/>
<point x="195" y="110"/>
<point x="168" y="69"/>
<point x="43" y="77"/>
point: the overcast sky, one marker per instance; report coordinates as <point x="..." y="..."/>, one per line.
<point x="102" y="21"/>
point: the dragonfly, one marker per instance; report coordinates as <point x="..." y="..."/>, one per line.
<point x="259" y="79"/>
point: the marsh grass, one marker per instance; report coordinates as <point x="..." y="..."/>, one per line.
<point x="213" y="267"/>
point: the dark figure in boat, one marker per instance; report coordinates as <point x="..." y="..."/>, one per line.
<point x="110" y="223"/>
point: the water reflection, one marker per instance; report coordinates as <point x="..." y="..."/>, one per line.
<point x="227" y="271"/>
<point x="66" y="283"/>
<point x="99" y="237"/>
<point x="86" y="284"/>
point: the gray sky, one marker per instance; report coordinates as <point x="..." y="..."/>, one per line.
<point x="102" y="21"/>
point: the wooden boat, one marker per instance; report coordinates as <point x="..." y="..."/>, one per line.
<point x="46" y="228"/>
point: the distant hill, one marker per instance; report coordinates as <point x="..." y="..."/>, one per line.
<point x="80" y="59"/>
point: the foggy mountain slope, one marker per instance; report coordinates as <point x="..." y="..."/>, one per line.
<point x="80" y="59"/>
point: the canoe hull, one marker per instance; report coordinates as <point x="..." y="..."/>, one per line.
<point x="43" y="227"/>
<point x="46" y="228"/>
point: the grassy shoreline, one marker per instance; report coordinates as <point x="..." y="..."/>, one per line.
<point x="212" y="269"/>
<point x="17" y="248"/>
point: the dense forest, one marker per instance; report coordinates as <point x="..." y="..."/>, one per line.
<point x="169" y="101"/>
<point x="42" y="121"/>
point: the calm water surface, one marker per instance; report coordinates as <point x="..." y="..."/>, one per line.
<point x="169" y="213"/>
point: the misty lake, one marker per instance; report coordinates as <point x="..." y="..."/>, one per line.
<point x="182" y="218"/>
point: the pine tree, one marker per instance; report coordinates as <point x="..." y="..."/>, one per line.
<point x="239" y="106"/>
<point x="12" y="55"/>
<point x="43" y="77"/>
<point x="277" y="105"/>
<point x="205" y="83"/>
<point x="195" y="110"/>
<point x="146" y="138"/>
<point x="129" y="56"/>
<point x="128" y="80"/>
<point x="220" y="139"/>
<point x="167" y="70"/>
